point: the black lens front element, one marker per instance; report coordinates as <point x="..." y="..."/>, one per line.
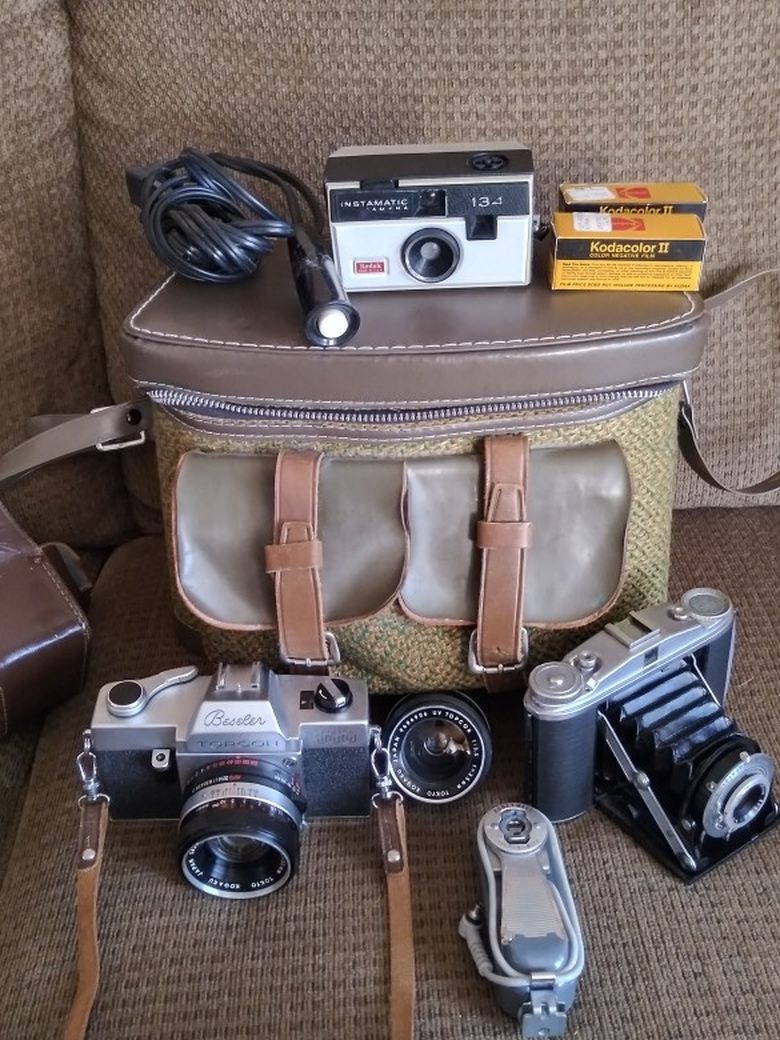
<point x="239" y="830"/>
<point x="431" y="255"/>
<point x="439" y="746"/>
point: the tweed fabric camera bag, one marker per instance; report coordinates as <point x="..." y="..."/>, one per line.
<point x="476" y="470"/>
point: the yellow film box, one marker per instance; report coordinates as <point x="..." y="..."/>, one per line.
<point x="638" y="252"/>
<point x="656" y="197"/>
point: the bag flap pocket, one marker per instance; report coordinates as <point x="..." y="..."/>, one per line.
<point x="578" y="503"/>
<point x="223" y="517"/>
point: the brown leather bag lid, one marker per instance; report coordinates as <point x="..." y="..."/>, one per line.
<point x="415" y="348"/>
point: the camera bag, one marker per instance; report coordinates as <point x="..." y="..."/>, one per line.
<point x="477" y="482"/>
<point x="480" y="477"/>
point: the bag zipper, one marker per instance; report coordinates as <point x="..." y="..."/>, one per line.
<point x="202" y="404"/>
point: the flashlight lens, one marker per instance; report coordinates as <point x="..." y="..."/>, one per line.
<point x="332" y="324"/>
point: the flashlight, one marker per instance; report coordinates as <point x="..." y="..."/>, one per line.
<point x="329" y="319"/>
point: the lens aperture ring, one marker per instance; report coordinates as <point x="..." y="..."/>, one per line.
<point x="243" y="791"/>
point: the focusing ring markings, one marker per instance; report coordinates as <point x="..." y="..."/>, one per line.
<point x="242" y="789"/>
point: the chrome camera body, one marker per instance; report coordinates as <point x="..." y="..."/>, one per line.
<point x="243" y="757"/>
<point x="237" y="757"/>
<point x="431" y="216"/>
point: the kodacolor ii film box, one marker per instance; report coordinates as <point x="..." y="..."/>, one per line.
<point x="682" y="197"/>
<point x="640" y="252"/>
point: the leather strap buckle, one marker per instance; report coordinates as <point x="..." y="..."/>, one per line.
<point x="477" y="668"/>
<point x="333" y="660"/>
<point x="132" y="440"/>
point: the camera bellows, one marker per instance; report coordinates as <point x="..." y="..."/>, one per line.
<point x="668" y="722"/>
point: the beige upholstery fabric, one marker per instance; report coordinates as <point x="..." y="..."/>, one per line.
<point x="51" y="353"/>
<point x="615" y="91"/>
<point x="663" y="960"/>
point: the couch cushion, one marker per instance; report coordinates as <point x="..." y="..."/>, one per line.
<point x="51" y="351"/>
<point x="588" y="88"/>
<point x="662" y="959"/>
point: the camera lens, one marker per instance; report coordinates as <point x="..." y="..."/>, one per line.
<point x="239" y="830"/>
<point x="430" y="255"/>
<point x="439" y="746"/>
<point x="733" y="792"/>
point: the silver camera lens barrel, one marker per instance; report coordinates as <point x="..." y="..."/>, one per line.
<point x="561" y="738"/>
<point x="244" y="790"/>
<point x="239" y="828"/>
<point x="739" y="795"/>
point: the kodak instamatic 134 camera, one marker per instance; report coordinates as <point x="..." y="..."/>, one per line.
<point x="243" y="757"/>
<point x="431" y="216"/>
<point x="525" y="937"/>
<point x="634" y="720"/>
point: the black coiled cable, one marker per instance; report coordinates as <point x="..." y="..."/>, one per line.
<point x="204" y="224"/>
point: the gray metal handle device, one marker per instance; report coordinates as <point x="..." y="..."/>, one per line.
<point x="525" y="939"/>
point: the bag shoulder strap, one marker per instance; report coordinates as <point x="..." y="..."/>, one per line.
<point x="687" y="434"/>
<point x="112" y="428"/>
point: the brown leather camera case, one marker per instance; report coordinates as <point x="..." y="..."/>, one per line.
<point x="44" y="634"/>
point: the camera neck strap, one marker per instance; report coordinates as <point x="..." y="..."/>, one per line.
<point x="391" y="817"/>
<point x="92" y="834"/>
<point x="392" y="836"/>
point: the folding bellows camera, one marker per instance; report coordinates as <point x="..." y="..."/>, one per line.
<point x="634" y="721"/>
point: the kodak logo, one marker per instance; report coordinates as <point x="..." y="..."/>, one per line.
<point x="628" y="224"/>
<point x="634" y="192"/>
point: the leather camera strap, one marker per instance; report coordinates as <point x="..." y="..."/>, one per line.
<point x="504" y="535"/>
<point x="392" y="835"/>
<point x="92" y="834"/>
<point x="295" y="559"/>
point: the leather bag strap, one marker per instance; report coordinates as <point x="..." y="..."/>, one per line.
<point x="92" y="834"/>
<point x="294" y="559"/>
<point x="112" y="428"/>
<point x="392" y="836"/>
<point x="687" y="434"/>
<point x="688" y="439"/>
<point x="499" y="645"/>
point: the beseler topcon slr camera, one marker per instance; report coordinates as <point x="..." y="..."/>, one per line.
<point x="634" y="720"/>
<point x="431" y="216"/>
<point x="242" y="757"/>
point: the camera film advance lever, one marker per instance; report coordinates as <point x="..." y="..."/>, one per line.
<point x="525" y="938"/>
